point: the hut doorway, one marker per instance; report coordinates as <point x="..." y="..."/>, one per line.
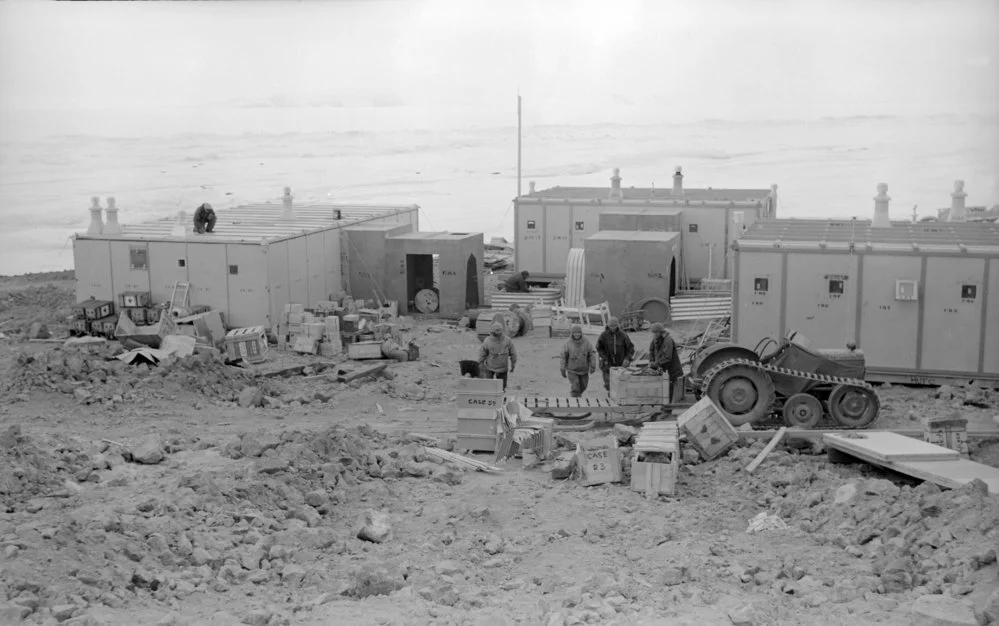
<point x="471" y="283"/>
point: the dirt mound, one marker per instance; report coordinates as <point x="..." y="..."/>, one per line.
<point x="30" y="468"/>
<point x="45" y="303"/>
<point x="94" y="375"/>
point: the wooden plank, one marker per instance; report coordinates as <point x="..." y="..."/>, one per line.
<point x="797" y="433"/>
<point x="952" y="474"/>
<point x="348" y="376"/>
<point x="767" y="450"/>
<point x="885" y="446"/>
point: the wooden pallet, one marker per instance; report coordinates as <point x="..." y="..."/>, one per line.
<point x="584" y="405"/>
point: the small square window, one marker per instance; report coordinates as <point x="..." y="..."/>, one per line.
<point x="337" y="214"/>
<point x="580" y="226"/>
<point x="761" y="284"/>
<point x="138" y="258"/>
<point x="181" y="263"/>
<point x="836" y="286"/>
<point x="969" y="292"/>
<point x="530" y="224"/>
<point x="234" y="269"/>
<point x="692" y="228"/>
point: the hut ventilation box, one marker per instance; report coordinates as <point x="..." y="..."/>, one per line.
<point x="957" y="209"/>
<point x="678" y="181"/>
<point x="288" y="212"/>
<point x="881" y="219"/>
<point x="96" y="223"/>
<point x="112" y="227"/>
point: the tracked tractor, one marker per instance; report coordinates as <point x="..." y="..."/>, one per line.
<point x="805" y="387"/>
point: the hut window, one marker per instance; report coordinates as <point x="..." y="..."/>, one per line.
<point x="181" y="263"/>
<point x="530" y="224"/>
<point x="835" y="286"/>
<point x="761" y="285"/>
<point x="580" y="226"/>
<point x="692" y="228"/>
<point x="969" y="292"/>
<point x="137" y="258"/>
<point x="234" y="269"/>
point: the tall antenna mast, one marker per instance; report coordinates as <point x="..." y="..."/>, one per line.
<point x="518" y="142"/>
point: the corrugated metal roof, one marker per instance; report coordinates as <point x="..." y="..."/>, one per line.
<point x="948" y="235"/>
<point x="435" y="236"/>
<point x="633" y="235"/>
<point x="657" y="194"/>
<point x="258" y="223"/>
<point x="642" y="211"/>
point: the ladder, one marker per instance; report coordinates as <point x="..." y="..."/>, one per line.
<point x="181" y="295"/>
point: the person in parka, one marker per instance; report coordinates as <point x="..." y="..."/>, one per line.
<point x="204" y="219"/>
<point x="615" y="349"/>
<point x="663" y="356"/>
<point x="578" y="361"/>
<point x="497" y="356"/>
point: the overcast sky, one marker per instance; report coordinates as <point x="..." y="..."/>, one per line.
<point x="733" y="59"/>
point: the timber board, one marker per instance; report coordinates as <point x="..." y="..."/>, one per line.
<point x="882" y="446"/>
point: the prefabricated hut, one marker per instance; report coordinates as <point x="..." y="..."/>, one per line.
<point x="259" y="258"/>
<point x="625" y="268"/>
<point x="549" y="222"/>
<point x="921" y="300"/>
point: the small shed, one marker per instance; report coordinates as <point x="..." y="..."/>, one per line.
<point x="625" y="268"/>
<point x="921" y="300"/>
<point x="448" y="263"/>
<point x="366" y="254"/>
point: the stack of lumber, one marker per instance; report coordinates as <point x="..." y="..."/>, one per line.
<point x="544" y="296"/>
<point x="700" y="305"/>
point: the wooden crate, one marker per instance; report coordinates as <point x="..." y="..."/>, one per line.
<point x="80" y="327"/>
<point x="479" y="400"/>
<point x="707" y="429"/>
<point x="599" y="460"/>
<point x="104" y="326"/>
<point x="484" y="426"/>
<point x="97" y="309"/>
<point x="480" y="385"/>
<point x="477" y="443"/>
<point x="949" y="432"/>
<point x="361" y="350"/>
<point x="657" y="459"/>
<point x="134" y="300"/>
<point x="627" y="389"/>
<point x="136" y="315"/>
<point x="249" y="344"/>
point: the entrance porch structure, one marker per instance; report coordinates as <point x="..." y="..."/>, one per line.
<point x="449" y="263"/>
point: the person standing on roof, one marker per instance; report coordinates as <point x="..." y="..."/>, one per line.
<point x="615" y="349"/>
<point x="497" y="356"/>
<point x="517" y="283"/>
<point x="663" y="356"/>
<point x="578" y="361"/>
<point x="204" y="219"/>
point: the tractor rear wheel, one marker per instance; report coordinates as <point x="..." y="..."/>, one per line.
<point x="853" y="407"/>
<point x="743" y="393"/>
<point x="802" y="411"/>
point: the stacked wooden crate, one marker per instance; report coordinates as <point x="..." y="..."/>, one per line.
<point x="657" y="459"/>
<point x="479" y="401"/>
<point x="628" y="388"/>
<point x="248" y="344"/>
<point x="541" y="318"/>
<point x="949" y="432"/>
<point x="707" y="429"/>
<point x="94" y="317"/>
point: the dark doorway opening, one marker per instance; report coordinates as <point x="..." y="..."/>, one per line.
<point x="419" y="276"/>
<point x="672" y="277"/>
<point x="471" y="283"/>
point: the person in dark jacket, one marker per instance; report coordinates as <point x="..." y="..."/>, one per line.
<point x="577" y="361"/>
<point x="615" y="349"/>
<point x="663" y="356"/>
<point x="204" y="219"/>
<point x="517" y="283"/>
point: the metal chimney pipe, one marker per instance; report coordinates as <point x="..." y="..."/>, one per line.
<point x="881" y="219"/>
<point x="288" y="214"/>
<point x="112" y="227"/>
<point x="678" y="181"/>
<point x="615" y="192"/>
<point x="957" y="210"/>
<point x="96" y="223"/>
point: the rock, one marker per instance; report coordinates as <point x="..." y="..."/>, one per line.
<point x="882" y="488"/>
<point x="257" y="617"/>
<point x="940" y="610"/>
<point x="200" y="556"/>
<point x="673" y="576"/>
<point x="293" y="573"/>
<point x="988" y="608"/>
<point x="63" y="612"/>
<point x="38" y="330"/>
<point x="82" y="395"/>
<point x="374" y="580"/>
<point x="316" y="498"/>
<point x="556" y="618"/>
<point x="250" y="397"/>
<point x="563" y="466"/>
<point x="250" y="446"/>
<point x="975" y="396"/>
<point x="149" y="452"/>
<point x="308" y="515"/>
<point x="845" y="493"/>
<point x="377" y="527"/>
<point x="494" y="545"/>
<point x="691" y="456"/>
<point x="625" y="434"/>
<point x="13" y="613"/>
<point x="742" y="616"/>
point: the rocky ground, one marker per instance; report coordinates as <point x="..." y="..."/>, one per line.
<point x="138" y="494"/>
